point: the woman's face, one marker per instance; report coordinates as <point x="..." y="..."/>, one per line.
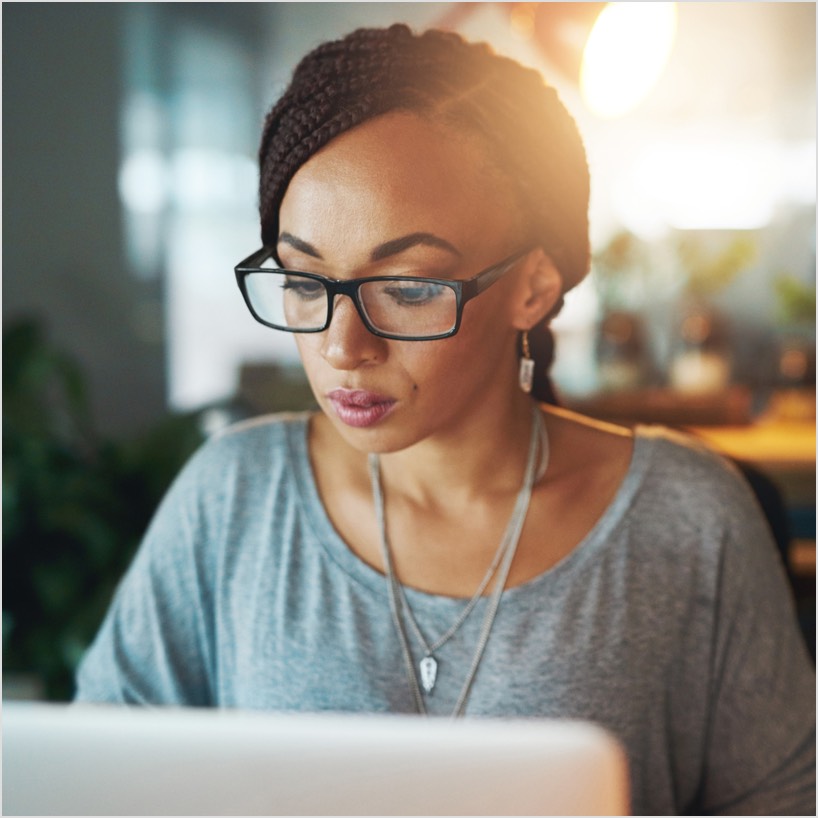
<point x="401" y="196"/>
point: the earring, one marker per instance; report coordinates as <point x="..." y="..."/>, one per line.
<point x="526" y="366"/>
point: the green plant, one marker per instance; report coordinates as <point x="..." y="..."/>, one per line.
<point x="710" y="272"/>
<point x="796" y="300"/>
<point x="75" y="505"/>
<point x="621" y="272"/>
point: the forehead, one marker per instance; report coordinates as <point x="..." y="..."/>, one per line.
<point x="397" y="174"/>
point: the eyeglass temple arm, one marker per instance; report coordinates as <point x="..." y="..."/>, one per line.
<point x="483" y="282"/>
<point x="257" y="258"/>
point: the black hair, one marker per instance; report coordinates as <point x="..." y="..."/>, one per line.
<point x="528" y="133"/>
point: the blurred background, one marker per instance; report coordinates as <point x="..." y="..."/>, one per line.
<point x="129" y="140"/>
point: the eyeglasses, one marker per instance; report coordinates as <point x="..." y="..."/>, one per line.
<point x="404" y="308"/>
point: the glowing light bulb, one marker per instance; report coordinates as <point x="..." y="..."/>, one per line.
<point x="625" y="55"/>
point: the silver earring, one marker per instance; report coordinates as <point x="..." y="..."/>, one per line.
<point x="526" y="366"/>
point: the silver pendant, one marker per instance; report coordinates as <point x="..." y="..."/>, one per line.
<point x="428" y="673"/>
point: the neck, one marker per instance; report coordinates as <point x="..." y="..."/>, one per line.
<point x="484" y="454"/>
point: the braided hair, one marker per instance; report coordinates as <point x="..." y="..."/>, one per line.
<point x="528" y="134"/>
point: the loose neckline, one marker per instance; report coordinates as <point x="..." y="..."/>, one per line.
<point x="362" y="572"/>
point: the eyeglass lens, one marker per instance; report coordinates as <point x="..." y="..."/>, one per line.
<point x="412" y="307"/>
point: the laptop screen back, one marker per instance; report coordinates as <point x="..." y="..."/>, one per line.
<point x="92" y="760"/>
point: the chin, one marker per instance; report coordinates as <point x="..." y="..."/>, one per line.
<point x="383" y="437"/>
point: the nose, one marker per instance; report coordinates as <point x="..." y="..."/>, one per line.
<point x="347" y="343"/>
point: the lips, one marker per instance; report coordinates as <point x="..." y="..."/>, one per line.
<point x="360" y="408"/>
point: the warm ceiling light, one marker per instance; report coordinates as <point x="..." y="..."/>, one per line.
<point x="559" y="30"/>
<point x="626" y="53"/>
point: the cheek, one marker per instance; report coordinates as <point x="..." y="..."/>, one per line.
<point x="309" y="349"/>
<point x="443" y="364"/>
<point x="423" y="362"/>
<point x="481" y="343"/>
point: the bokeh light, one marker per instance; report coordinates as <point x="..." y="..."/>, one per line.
<point x="625" y="54"/>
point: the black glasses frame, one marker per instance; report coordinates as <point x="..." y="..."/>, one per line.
<point x="464" y="289"/>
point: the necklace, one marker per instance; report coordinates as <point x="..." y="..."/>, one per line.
<point x="501" y="562"/>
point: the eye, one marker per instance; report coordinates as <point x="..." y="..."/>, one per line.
<point x="307" y="289"/>
<point x="415" y="293"/>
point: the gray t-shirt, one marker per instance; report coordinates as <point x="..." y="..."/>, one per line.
<point x="670" y="624"/>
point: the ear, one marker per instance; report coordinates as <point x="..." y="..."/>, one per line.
<point x="539" y="287"/>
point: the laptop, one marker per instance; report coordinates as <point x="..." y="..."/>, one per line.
<point x="112" y="760"/>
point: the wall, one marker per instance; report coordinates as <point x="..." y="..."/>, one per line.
<point x="62" y="249"/>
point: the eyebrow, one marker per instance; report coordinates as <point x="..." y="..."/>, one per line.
<point x="299" y="244"/>
<point x="382" y="251"/>
<point x="392" y="248"/>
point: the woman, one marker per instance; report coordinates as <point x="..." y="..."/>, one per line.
<point x="433" y="540"/>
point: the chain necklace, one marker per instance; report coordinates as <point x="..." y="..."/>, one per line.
<point x="501" y="562"/>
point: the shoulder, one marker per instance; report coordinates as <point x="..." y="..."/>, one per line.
<point x="664" y="473"/>
<point x="233" y="490"/>
<point x="269" y="430"/>
<point x="247" y="457"/>
<point x="257" y="440"/>
<point x="671" y="494"/>
<point x="686" y="471"/>
<point x="690" y="500"/>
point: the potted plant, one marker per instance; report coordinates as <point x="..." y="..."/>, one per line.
<point x="75" y="505"/>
